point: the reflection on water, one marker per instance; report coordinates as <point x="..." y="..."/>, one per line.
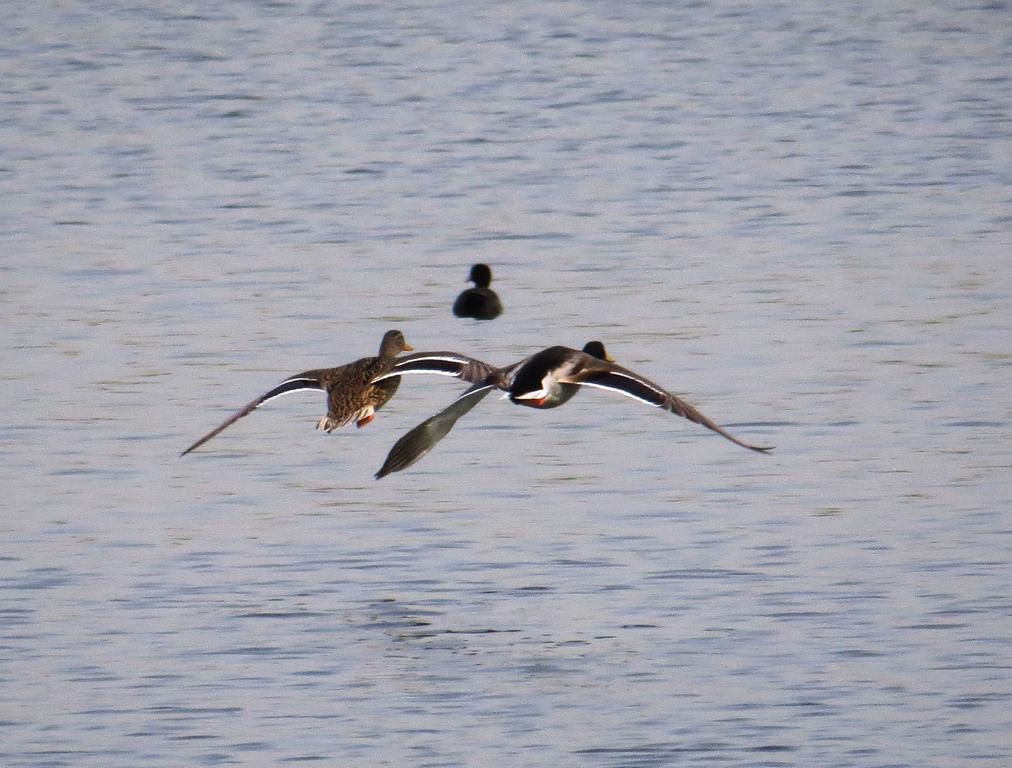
<point x="796" y="217"/>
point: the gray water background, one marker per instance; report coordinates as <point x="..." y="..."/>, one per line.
<point x="797" y="215"/>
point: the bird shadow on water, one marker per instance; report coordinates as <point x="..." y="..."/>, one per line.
<point x="403" y="622"/>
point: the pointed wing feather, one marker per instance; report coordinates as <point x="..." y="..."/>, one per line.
<point x="625" y="382"/>
<point x="296" y="383"/>
<point x="423" y="438"/>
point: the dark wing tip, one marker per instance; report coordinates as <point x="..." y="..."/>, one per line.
<point x="422" y="438"/>
<point x="409" y="449"/>
<point x="207" y="437"/>
<point x="391" y="463"/>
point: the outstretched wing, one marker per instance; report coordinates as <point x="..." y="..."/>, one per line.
<point x="296" y="383"/>
<point x="423" y="438"/>
<point x="614" y="378"/>
<point x="441" y="363"/>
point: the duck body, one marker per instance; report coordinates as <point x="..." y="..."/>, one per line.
<point x="417" y="442"/>
<point x="480" y="302"/>
<point x="547" y="379"/>
<point x="355" y="392"/>
<point x="351" y="395"/>
<point x="538" y="382"/>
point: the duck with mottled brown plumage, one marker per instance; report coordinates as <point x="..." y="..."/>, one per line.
<point x="354" y="392"/>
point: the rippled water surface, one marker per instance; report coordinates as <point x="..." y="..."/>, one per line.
<point x="796" y="215"/>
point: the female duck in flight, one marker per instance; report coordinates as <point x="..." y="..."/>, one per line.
<point x="357" y="390"/>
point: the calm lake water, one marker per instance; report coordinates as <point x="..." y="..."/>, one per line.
<point x="796" y="215"/>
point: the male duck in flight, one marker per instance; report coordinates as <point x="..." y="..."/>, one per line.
<point x="546" y="379"/>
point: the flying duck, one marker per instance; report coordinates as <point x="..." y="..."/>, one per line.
<point x="479" y="302"/>
<point x="357" y="390"/>
<point x="546" y="379"/>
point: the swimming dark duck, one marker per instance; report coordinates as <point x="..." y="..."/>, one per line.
<point x="546" y="379"/>
<point x="354" y="391"/>
<point x="480" y="302"/>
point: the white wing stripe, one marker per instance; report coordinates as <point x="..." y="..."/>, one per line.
<point x="640" y="382"/>
<point x="312" y="384"/>
<point x="637" y="398"/>
<point x="450" y="358"/>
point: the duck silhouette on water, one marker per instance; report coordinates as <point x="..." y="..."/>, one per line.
<point x="480" y="302"/>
